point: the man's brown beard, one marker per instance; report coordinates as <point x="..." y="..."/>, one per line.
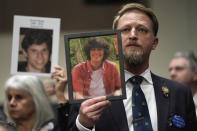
<point x="133" y="56"/>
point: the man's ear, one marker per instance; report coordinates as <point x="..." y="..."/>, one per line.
<point x="155" y="43"/>
<point x="24" y="53"/>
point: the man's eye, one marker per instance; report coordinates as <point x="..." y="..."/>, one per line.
<point x="33" y="51"/>
<point x="179" y="68"/>
<point x="126" y="30"/>
<point x="142" y="30"/>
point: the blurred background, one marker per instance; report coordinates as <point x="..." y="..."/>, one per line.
<point x="177" y="29"/>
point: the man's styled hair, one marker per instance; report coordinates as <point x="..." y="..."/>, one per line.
<point x="96" y="43"/>
<point x="8" y="126"/>
<point x="135" y="6"/>
<point x="189" y="55"/>
<point x="37" y="36"/>
<point x="34" y="87"/>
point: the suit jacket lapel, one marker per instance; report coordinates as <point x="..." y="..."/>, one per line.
<point x="162" y="101"/>
<point x="119" y="115"/>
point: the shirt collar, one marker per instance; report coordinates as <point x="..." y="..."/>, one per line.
<point x="146" y="74"/>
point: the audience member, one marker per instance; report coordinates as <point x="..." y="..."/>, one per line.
<point x="183" y="68"/>
<point x="27" y="105"/>
<point x="153" y="103"/>
<point x="36" y="48"/>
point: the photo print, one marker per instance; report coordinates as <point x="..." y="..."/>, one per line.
<point x="35" y="45"/>
<point x="95" y="65"/>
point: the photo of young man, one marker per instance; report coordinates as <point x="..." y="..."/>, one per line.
<point x="97" y="76"/>
<point x="36" y="49"/>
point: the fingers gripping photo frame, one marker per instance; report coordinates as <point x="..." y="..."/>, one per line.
<point x="95" y="65"/>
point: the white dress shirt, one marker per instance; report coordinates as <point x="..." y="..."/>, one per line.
<point x="148" y="90"/>
<point x="195" y="101"/>
<point x="149" y="93"/>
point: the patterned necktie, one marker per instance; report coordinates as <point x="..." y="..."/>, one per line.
<point x="141" y="118"/>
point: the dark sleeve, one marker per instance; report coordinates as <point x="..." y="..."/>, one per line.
<point x="63" y="115"/>
<point x="74" y="111"/>
<point x="182" y="104"/>
<point x="191" y="113"/>
<point x="185" y="99"/>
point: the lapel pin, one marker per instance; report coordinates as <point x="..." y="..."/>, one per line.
<point x="178" y="121"/>
<point x="165" y="91"/>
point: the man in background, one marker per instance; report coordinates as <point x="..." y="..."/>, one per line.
<point x="36" y="48"/>
<point x="183" y="68"/>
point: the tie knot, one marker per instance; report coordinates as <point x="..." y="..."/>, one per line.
<point x="136" y="80"/>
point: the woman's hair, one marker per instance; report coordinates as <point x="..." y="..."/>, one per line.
<point x="98" y="43"/>
<point x="34" y="87"/>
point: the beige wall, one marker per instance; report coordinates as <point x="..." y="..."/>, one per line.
<point x="177" y="32"/>
<point x="177" y="20"/>
<point x="5" y="58"/>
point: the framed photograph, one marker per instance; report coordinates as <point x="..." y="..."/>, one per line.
<point x="95" y="65"/>
<point x="35" y="45"/>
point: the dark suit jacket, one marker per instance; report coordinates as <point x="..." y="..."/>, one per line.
<point x="177" y="101"/>
<point x="62" y="116"/>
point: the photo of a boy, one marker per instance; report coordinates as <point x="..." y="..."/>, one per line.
<point x="36" y="49"/>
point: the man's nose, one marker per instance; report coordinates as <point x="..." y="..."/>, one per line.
<point x="133" y="34"/>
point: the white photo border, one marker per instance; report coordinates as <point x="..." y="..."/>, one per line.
<point x="34" y="23"/>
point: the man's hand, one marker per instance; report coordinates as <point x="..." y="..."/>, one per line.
<point x="91" y="110"/>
